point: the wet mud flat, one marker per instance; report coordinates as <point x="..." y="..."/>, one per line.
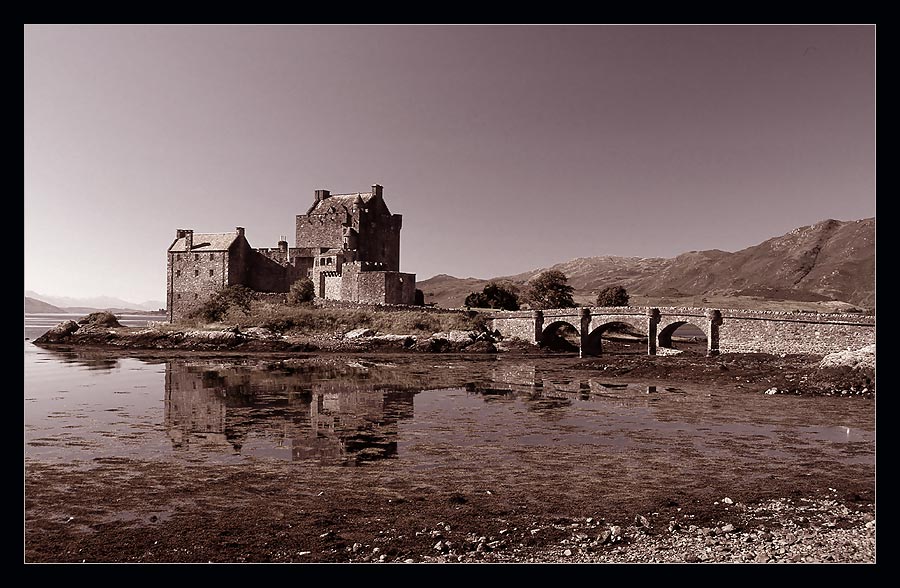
<point x="498" y="469"/>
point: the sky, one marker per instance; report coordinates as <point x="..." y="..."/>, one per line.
<point x="505" y="148"/>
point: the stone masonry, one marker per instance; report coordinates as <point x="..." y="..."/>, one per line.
<point x="347" y="244"/>
<point x="727" y="331"/>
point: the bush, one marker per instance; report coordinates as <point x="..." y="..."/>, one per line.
<point x="612" y="296"/>
<point x="232" y="297"/>
<point x="504" y="296"/>
<point x="302" y="291"/>
<point x="550" y="290"/>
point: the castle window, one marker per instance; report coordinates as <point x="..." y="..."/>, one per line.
<point x="177" y="273"/>
<point x="196" y="257"/>
<point x="178" y="296"/>
<point x="196" y="273"/>
<point x="196" y="296"/>
<point x="212" y="256"/>
<point x="210" y="273"/>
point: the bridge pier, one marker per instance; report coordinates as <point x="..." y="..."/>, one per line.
<point x="584" y="331"/>
<point x="652" y="323"/>
<point x="538" y="316"/>
<point x="712" y="338"/>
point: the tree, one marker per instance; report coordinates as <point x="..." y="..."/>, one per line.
<point x="504" y="296"/>
<point x="301" y="291"/>
<point x="612" y="296"/>
<point x="550" y="290"/>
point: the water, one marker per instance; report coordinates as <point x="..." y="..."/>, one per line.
<point x="427" y="413"/>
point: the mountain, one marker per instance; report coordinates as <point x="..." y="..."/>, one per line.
<point x="830" y="260"/>
<point x="97" y="302"/>
<point x="34" y="305"/>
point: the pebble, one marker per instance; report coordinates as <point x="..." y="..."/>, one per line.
<point x="567" y="552"/>
<point x="727" y="500"/>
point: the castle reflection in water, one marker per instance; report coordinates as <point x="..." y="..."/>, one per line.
<point x="344" y="414"/>
<point x="224" y="408"/>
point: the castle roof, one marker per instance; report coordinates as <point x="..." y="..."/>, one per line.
<point x="338" y="201"/>
<point x="207" y="242"/>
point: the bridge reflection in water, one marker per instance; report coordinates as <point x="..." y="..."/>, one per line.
<point x="211" y="408"/>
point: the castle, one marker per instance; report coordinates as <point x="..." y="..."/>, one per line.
<point x="347" y="244"/>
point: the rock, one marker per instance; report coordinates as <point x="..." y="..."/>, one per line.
<point x="771" y="391"/>
<point x="729" y="528"/>
<point x="567" y="552"/>
<point x="615" y="533"/>
<point x="58" y="333"/>
<point x="100" y="319"/>
<point x="761" y="557"/>
<point x="440" y="546"/>
<point x="603" y="537"/>
<point x="859" y="359"/>
<point x="667" y="351"/>
<point x="357" y="333"/>
<point x="410" y="560"/>
<point x="460" y="336"/>
<point x="789" y="539"/>
<point x="356" y="547"/>
<point x="259" y="333"/>
<point x="727" y="500"/>
<point x="480" y="347"/>
<point x="642" y="521"/>
<point x="691" y="558"/>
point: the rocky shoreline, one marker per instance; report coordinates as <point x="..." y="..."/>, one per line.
<point x="102" y="331"/>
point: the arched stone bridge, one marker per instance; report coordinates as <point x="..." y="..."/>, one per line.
<point x="727" y="331"/>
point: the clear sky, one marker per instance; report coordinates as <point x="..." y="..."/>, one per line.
<point x="505" y="148"/>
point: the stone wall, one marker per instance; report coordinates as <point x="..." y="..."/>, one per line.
<point x="321" y="231"/>
<point x="521" y="327"/>
<point x="372" y="287"/>
<point x="193" y="279"/>
<point x="332" y="286"/>
<point x="774" y="332"/>
<point x="400" y="288"/>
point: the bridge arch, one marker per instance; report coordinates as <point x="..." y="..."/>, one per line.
<point x="593" y="343"/>
<point x="560" y="335"/>
<point x="667" y="328"/>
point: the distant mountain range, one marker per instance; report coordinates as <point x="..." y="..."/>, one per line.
<point x="34" y="305"/>
<point x="95" y="303"/>
<point x="830" y="260"/>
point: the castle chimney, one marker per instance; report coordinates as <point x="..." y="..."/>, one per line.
<point x="188" y="239"/>
<point x="322" y="195"/>
<point x="239" y="231"/>
<point x="377" y="190"/>
<point x="282" y="247"/>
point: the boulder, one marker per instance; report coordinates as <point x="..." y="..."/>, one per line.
<point x="100" y="319"/>
<point x="357" y="333"/>
<point x="58" y="333"/>
<point x="858" y="359"/>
